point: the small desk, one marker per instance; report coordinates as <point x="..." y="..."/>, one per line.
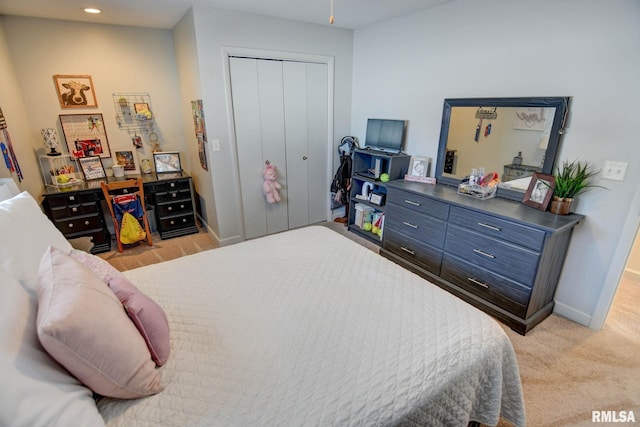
<point x="77" y="210"/>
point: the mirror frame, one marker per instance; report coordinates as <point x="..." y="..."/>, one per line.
<point x="561" y="104"/>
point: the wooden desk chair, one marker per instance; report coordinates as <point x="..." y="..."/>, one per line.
<point x="130" y="186"/>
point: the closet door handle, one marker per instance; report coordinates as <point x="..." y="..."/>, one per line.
<point x="304" y="157"/>
<point x="267" y="162"/>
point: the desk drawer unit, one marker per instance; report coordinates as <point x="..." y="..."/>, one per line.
<point x="174" y="207"/>
<point x="79" y="214"/>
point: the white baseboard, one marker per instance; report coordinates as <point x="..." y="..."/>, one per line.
<point x="572" y="314"/>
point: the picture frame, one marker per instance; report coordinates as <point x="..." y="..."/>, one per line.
<point x="85" y="135"/>
<point x="126" y="158"/>
<point x="419" y="166"/>
<point x="142" y="111"/>
<point x="167" y="161"/>
<point x="540" y="191"/>
<point x="75" y="91"/>
<point x="92" y="168"/>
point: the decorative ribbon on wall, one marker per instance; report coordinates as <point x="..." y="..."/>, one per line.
<point x="8" y="153"/>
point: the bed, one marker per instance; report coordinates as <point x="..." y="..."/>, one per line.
<point x="304" y="327"/>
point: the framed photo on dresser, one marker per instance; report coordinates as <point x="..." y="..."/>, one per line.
<point x="540" y="191"/>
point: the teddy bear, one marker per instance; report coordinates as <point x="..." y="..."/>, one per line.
<point x="271" y="186"/>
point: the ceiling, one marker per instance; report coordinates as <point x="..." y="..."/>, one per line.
<point x="166" y="14"/>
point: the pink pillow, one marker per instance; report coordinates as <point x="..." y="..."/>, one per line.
<point x="147" y="315"/>
<point x="82" y="325"/>
<point x="100" y="267"/>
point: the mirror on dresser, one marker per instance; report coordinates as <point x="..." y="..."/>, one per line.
<point x="514" y="137"/>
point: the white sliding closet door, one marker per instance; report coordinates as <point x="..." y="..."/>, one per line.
<point x="305" y="115"/>
<point x="281" y="115"/>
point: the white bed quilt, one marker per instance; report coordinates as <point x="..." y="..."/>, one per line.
<point x="307" y="328"/>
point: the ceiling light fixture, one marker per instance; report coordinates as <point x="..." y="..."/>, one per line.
<point x="331" y="17"/>
<point x="91" y="10"/>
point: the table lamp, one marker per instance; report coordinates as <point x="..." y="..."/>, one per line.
<point x="50" y="141"/>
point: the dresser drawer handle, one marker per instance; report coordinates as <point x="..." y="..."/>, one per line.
<point x="408" y="224"/>
<point x="413" y="203"/>
<point x="72" y="198"/>
<point x="70" y="225"/>
<point x="87" y="223"/>
<point x="490" y="227"/>
<point x="74" y="209"/>
<point x="478" y="251"/>
<point x="169" y="208"/>
<point x="477" y="282"/>
<point x="407" y="250"/>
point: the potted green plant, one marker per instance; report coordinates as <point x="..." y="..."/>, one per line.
<point x="572" y="178"/>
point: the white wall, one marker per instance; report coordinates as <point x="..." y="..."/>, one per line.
<point x="119" y="59"/>
<point x="215" y="30"/>
<point x="587" y="49"/>
<point x="184" y="38"/>
<point x="14" y="112"/>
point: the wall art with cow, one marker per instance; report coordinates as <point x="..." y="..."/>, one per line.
<point x="75" y="91"/>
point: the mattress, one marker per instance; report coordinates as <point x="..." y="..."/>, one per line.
<point x="308" y="328"/>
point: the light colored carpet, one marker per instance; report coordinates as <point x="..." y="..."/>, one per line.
<point x="162" y="250"/>
<point x="567" y="370"/>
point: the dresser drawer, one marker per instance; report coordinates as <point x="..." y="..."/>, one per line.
<point x="74" y="210"/>
<point x="532" y="238"/>
<point x="419" y="226"/>
<point x="175" y="208"/>
<point x="177" y="222"/>
<point x="174" y="185"/>
<point x="506" y="259"/>
<point x="418" y="203"/>
<point x="79" y="224"/>
<point x="412" y="250"/>
<point x="173" y="196"/>
<point x="494" y="288"/>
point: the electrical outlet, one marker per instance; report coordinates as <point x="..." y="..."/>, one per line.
<point x="614" y="170"/>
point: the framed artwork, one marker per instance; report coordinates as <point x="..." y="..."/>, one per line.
<point x="85" y="135"/>
<point x="92" y="168"/>
<point x="75" y="91"/>
<point x="167" y="161"/>
<point x="419" y="166"/>
<point x="540" y="191"/>
<point x="142" y="111"/>
<point x="201" y="132"/>
<point x="128" y="160"/>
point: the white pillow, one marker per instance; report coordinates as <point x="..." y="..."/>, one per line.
<point x="36" y="390"/>
<point x="25" y="235"/>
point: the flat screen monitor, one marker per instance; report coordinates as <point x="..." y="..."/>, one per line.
<point x="385" y="135"/>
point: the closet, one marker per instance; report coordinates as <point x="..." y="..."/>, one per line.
<point x="280" y="112"/>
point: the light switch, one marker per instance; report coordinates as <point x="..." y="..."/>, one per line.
<point x="614" y="170"/>
<point x="215" y="145"/>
